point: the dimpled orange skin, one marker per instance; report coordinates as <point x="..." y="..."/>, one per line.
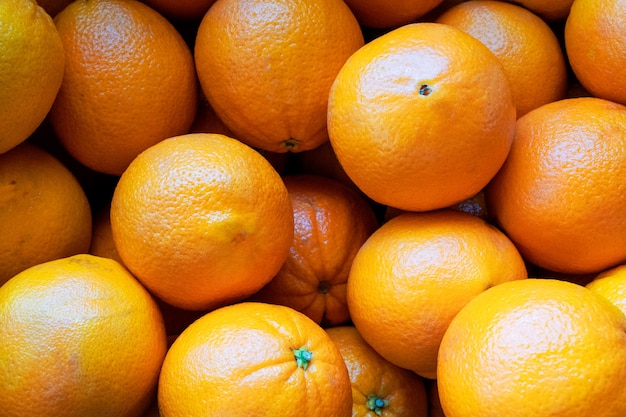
<point x="534" y="348"/>
<point x="44" y="212"/>
<point x="400" y="392"/>
<point x="611" y="284"/>
<point x="202" y="220"/>
<point x="81" y="337"/>
<point x="129" y="82"/>
<point x="422" y="117"/>
<point x="331" y="224"/>
<point x="525" y="45"/>
<point x="31" y="69"/>
<point x="266" y="67"/>
<point x="412" y="276"/>
<point x="560" y="194"/>
<point x="595" y="41"/>
<point x="239" y="360"/>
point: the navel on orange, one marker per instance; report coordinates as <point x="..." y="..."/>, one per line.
<point x="251" y="359"/>
<point x="378" y="387"/>
<point x="422" y="117"/>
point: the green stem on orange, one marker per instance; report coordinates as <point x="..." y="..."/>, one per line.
<point x="303" y="357"/>
<point x="376" y="404"/>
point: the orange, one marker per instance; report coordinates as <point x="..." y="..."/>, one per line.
<point x="251" y="359"/>
<point x="202" y="220"/>
<point x="422" y="117"/>
<point x="412" y="276"/>
<point x="595" y="42"/>
<point x="81" y="337"/>
<point x="129" y="82"/>
<point x="331" y="222"/>
<point x="535" y="347"/>
<point x="44" y="212"/>
<point x="102" y="243"/>
<point x="560" y="194"/>
<point x="551" y="11"/>
<point x="611" y="284"/>
<point x="181" y="9"/>
<point x="389" y="14"/>
<point x="379" y="388"/>
<point x="523" y="42"/>
<point x="31" y="69"/>
<point x="266" y="67"/>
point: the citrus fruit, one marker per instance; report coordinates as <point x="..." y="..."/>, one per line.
<point x="81" y="337"/>
<point x="551" y="11"/>
<point x="31" y="69"/>
<point x="595" y="42"/>
<point x="535" y="347"/>
<point x="611" y="284"/>
<point x="254" y="359"/>
<point x="331" y="222"/>
<point x="523" y="42"/>
<point x="44" y="212"/>
<point x="378" y="386"/>
<point x="560" y="194"/>
<point x="422" y="117"/>
<point x="415" y="272"/>
<point x="129" y="82"/>
<point x="266" y="67"/>
<point x="202" y="220"/>
<point x="390" y="14"/>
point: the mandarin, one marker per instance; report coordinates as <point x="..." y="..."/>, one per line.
<point x="611" y="284"/>
<point x="202" y="220"/>
<point x="415" y="272"/>
<point x="44" y="212"/>
<point x="80" y="337"/>
<point x="523" y="42"/>
<point x="331" y="222"/>
<point x="266" y="67"/>
<point x="422" y="117"/>
<point x="31" y="69"/>
<point x="378" y="386"/>
<point x="534" y="348"/>
<point x="560" y="194"/>
<point x="252" y="359"/>
<point x="595" y="42"/>
<point x="129" y="82"/>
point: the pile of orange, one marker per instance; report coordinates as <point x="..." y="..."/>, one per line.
<point x="321" y="208"/>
